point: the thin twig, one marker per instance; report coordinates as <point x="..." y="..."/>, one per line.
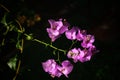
<point x="4" y="7"/>
<point x="21" y="29"/>
<point x="46" y="44"/>
<point x="21" y="51"/>
<point x="73" y="42"/>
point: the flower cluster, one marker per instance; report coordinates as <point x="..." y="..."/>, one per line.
<point x="57" y="28"/>
<point x="54" y="69"/>
<point x="81" y="55"/>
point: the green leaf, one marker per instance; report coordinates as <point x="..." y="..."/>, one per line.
<point x="12" y="62"/>
<point x="18" y="46"/>
<point x="3" y="21"/>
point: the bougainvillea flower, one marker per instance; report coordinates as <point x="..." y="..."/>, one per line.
<point x="93" y="49"/>
<point x="87" y="41"/>
<point x="54" y="69"/>
<point x="56" y="29"/>
<point x="73" y="53"/>
<point x="71" y="34"/>
<point x="86" y="54"/>
<point x="80" y="34"/>
<point x="82" y="55"/>
<point x="50" y="66"/>
<point x="66" y="68"/>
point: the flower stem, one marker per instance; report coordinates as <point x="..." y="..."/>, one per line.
<point x="46" y="44"/>
<point x="73" y="42"/>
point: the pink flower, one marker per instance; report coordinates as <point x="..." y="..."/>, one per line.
<point x="71" y="34"/>
<point x="73" y="53"/>
<point x="87" y="41"/>
<point x="56" y="29"/>
<point x="82" y="55"/>
<point x="86" y="54"/>
<point x="80" y="34"/>
<point x="50" y="66"/>
<point x="66" y="67"/>
<point x="54" y="69"/>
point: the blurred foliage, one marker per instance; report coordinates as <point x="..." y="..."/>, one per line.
<point x="12" y="62"/>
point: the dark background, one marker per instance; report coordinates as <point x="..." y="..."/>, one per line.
<point x="98" y="17"/>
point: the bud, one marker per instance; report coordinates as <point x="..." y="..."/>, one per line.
<point x="29" y="37"/>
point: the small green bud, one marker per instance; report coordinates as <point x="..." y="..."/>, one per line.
<point x="29" y="37"/>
